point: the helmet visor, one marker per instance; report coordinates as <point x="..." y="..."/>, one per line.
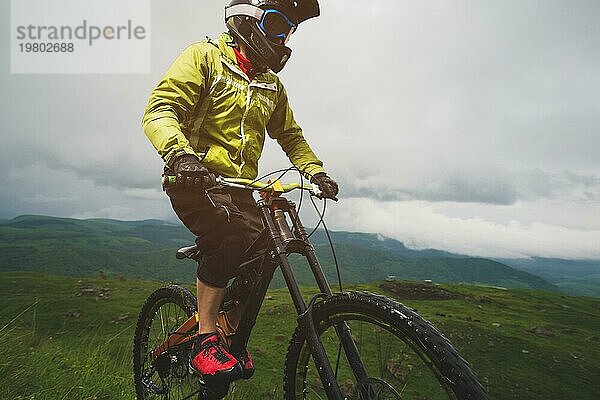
<point x="276" y="25"/>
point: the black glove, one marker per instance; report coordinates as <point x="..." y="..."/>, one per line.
<point x="328" y="186"/>
<point x="190" y="173"/>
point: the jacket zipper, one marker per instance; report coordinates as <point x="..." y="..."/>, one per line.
<point x="248" y="100"/>
<point x="243" y="163"/>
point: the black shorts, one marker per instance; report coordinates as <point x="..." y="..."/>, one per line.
<point x="225" y="224"/>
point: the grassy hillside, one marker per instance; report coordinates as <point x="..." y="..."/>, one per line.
<point x="145" y="249"/>
<point x="70" y="338"/>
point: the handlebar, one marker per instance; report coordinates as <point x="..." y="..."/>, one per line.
<point x="261" y="186"/>
<point x="249" y="184"/>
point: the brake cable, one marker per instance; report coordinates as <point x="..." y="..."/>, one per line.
<point x="321" y="215"/>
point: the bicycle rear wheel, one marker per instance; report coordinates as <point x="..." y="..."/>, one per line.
<point x="165" y="377"/>
<point x="405" y="357"/>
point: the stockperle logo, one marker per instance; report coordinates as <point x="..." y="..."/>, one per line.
<point x="80" y="36"/>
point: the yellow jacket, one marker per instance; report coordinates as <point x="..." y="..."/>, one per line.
<point x="205" y="105"/>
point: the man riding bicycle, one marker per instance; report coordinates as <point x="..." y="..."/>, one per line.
<point x="208" y="116"/>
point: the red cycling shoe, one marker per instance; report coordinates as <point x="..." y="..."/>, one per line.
<point x="213" y="361"/>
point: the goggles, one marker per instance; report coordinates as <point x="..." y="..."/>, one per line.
<point x="276" y="25"/>
<point x="273" y="23"/>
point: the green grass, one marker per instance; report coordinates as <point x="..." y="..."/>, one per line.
<point x="59" y="341"/>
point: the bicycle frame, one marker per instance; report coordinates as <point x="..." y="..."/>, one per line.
<point x="269" y="251"/>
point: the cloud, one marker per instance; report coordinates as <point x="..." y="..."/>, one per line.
<point x="495" y="187"/>
<point x="37" y="189"/>
<point x="45" y="199"/>
<point x="114" y="212"/>
<point x="418" y="225"/>
<point x="144" y="194"/>
<point x="90" y="154"/>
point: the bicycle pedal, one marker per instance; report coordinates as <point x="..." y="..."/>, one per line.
<point x="216" y="386"/>
<point x="216" y="392"/>
<point x="212" y="391"/>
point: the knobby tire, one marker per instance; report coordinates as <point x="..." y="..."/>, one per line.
<point x="405" y="331"/>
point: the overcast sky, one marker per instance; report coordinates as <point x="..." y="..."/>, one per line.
<point x="468" y="126"/>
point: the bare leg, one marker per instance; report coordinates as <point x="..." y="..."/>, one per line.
<point x="209" y="301"/>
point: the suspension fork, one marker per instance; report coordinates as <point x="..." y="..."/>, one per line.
<point x="342" y="329"/>
<point x="316" y="347"/>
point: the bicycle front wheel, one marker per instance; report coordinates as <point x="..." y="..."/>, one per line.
<point x="403" y="355"/>
<point x="164" y="376"/>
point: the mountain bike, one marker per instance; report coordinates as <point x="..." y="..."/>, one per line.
<point x="347" y="345"/>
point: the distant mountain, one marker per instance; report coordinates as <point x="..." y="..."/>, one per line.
<point x="579" y="277"/>
<point x="146" y="249"/>
<point x="378" y="242"/>
<point x="84" y="247"/>
<point x="363" y="264"/>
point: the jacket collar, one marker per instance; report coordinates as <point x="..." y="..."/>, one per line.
<point x="226" y="45"/>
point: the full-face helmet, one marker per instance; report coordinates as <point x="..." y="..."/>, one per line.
<point x="265" y="26"/>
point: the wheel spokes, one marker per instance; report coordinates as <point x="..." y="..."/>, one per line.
<point x="179" y="384"/>
<point x="396" y="369"/>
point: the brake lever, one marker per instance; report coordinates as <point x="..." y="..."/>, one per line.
<point x="318" y="193"/>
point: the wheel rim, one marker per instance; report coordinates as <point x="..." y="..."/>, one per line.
<point x="397" y="367"/>
<point x="165" y="317"/>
